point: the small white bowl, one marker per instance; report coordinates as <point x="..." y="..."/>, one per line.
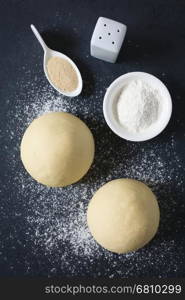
<point x="112" y="95"/>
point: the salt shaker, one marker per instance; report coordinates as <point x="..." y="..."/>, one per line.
<point x="107" y="39"/>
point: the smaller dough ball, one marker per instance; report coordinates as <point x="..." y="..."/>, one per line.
<point x="57" y="149"/>
<point x="123" y="215"/>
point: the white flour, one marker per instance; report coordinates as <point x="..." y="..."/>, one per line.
<point x="138" y="106"/>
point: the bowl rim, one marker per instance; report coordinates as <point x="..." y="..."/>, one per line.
<point x="113" y="86"/>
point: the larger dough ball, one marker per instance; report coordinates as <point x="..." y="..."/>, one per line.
<point x="123" y="215"/>
<point x="57" y="149"/>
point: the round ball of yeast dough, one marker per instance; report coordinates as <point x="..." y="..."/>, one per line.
<point x="123" y="215"/>
<point x="57" y="149"/>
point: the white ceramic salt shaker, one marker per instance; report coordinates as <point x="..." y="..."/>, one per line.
<point x="107" y="39"/>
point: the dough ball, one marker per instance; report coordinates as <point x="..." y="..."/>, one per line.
<point x="57" y="149"/>
<point x="123" y="215"/>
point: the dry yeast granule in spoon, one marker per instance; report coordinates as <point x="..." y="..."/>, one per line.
<point x="62" y="74"/>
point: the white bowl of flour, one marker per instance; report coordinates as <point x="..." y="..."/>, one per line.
<point x="137" y="106"/>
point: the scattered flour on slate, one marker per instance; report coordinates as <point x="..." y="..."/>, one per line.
<point x="55" y="218"/>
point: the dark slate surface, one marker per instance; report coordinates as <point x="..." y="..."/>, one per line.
<point x="155" y="43"/>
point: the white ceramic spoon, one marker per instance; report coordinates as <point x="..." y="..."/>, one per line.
<point x="48" y="53"/>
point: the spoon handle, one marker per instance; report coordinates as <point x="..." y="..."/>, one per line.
<point x="39" y="38"/>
